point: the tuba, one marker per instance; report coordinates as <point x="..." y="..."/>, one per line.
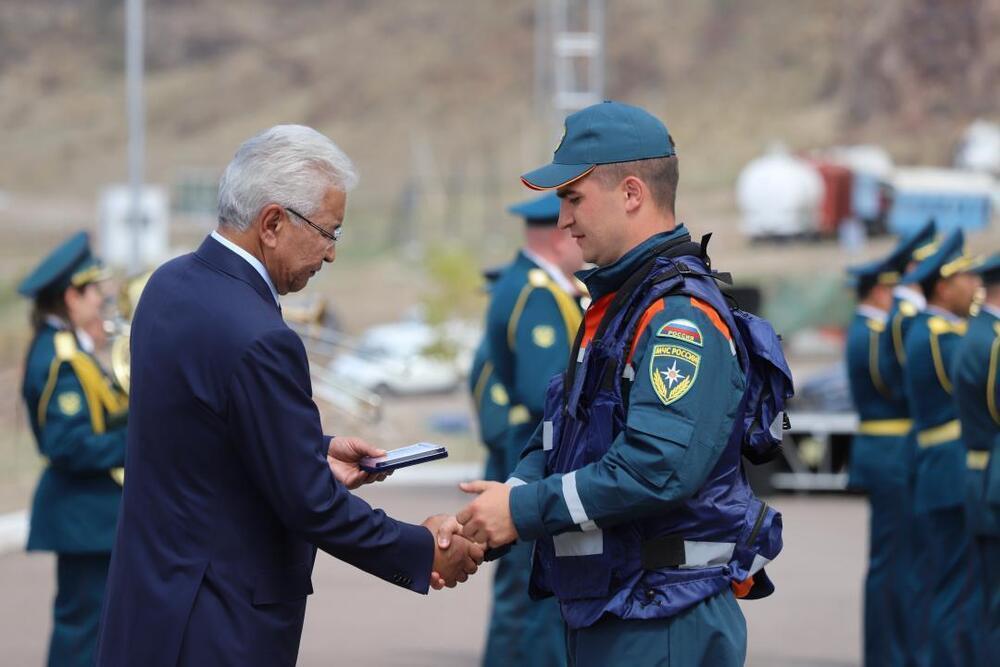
<point x="119" y="328"/>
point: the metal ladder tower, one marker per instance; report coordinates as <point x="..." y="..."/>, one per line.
<point x="569" y="55"/>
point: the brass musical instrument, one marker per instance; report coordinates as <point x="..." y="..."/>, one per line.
<point x="120" y="328"/>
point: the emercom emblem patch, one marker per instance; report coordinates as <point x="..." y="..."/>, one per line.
<point x="684" y="330"/>
<point x="673" y="370"/>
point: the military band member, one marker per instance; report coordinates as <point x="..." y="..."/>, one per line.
<point x="895" y="576"/>
<point x="977" y="395"/>
<point x="78" y="419"/>
<point x="878" y="463"/>
<point x="930" y="346"/>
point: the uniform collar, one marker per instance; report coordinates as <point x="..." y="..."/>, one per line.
<point x="251" y="260"/>
<point x="545" y="265"/>
<point x="606" y="279"/>
<point x="991" y="309"/>
<point x="871" y="312"/>
<point x="907" y="293"/>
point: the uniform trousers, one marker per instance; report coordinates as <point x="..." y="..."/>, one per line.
<point x="952" y="586"/>
<point x="80" y="581"/>
<point x="522" y="631"/>
<point x="713" y="632"/>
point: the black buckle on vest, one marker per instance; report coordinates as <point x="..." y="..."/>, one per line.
<point x="660" y="552"/>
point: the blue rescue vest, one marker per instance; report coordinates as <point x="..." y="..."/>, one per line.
<point x="658" y="566"/>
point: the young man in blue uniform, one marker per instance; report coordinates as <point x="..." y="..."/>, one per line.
<point x="910" y="633"/>
<point x="977" y="395"/>
<point x="878" y="463"/>
<point x="881" y="456"/>
<point x="644" y="523"/>
<point x="949" y="576"/>
<point x="78" y="419"/>
<point x="533" y="315"/>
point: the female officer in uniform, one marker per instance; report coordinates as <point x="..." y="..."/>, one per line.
<point x="78" y="418"/>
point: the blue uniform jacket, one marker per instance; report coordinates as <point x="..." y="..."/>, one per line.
<point x="492" y="406"/>
<point x="878" y="451"/>
<point x="931" y="344"/>
<point x="75" y="507"/>
<point x="228" y="489"/>
<point x="977" y="395"/>
<point x="530" y="325"/>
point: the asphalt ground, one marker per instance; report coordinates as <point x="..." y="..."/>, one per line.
<point x="812" y="620"/>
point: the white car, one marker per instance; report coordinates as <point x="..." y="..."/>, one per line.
<point x="394" y="359"/>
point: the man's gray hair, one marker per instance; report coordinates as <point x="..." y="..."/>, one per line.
<point x="289" y="165"/>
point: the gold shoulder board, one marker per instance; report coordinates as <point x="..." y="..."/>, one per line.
<point x="538" y="278"/>
<point x="65" y="343"/>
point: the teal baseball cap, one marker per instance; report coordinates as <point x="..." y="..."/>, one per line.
<point x="603" y="133"/>
<point x="538" y="212"/>
<point x="71" y="263"/>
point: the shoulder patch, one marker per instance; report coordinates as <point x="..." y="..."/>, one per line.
<point x="538" y="278"/>
<point x="498" y="394"/>
<point x="684" y="330"/>
<point x="543" y="335"/>
<point x="673" y="370"/>
<point x="69" y="403"/>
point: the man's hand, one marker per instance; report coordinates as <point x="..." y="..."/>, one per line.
<point x="455" y="557"/>
<point x="344" y="456"/>
<point x="487" y="518"/>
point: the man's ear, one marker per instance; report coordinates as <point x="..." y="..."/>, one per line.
<point x="272" y="219"/>
<point x="635" y="193"/>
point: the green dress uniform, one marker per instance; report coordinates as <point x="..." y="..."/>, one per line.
<point x="882" y="454"/>
<point x="949" y="569"/>
<point x="977" y="395"/>
<point x="78" y="419"/>
<point x="530" y="325"/>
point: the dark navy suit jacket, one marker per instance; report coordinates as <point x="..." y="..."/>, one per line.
<point x="227" y="489"/>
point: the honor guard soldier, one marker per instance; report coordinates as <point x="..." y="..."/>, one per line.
<point x="878" y="463"/>
<point x="952" y="591"/>
<point x="78" y="419"/>
<point x="882" y="451"/>
<point x="907" y="301"/>
<point x="977" y="395"/>
<point x="490" y="401"/>
<point x="534" y="313"/>
<point x="646" y="528"/>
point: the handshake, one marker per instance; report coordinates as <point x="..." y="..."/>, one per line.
<point x="460" y="541"/>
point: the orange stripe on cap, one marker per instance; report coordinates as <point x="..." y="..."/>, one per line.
<point x="713" y="316"/>
<point x="654" y="309"/>
<point x="561" y="185"/>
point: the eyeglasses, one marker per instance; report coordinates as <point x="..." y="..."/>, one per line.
<point x="331" y="237"/>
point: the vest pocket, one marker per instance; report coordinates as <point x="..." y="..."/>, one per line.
<point x="576" y="577"/>
<point x="658" y="443"/>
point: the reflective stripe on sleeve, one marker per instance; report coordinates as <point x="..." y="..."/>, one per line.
<point x="514" y="481"/>
<point x="574" y="504"/>
<point x="707" y="554"/>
